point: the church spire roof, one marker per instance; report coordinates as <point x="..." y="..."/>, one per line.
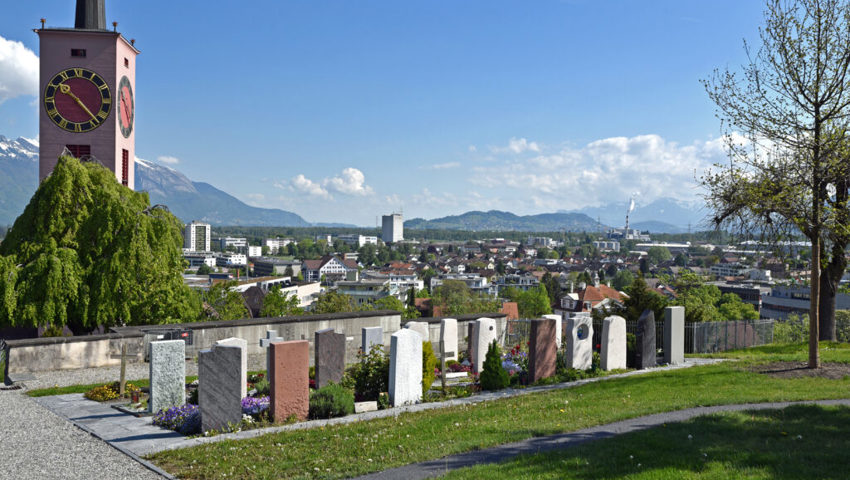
<point x="91" y="15"/>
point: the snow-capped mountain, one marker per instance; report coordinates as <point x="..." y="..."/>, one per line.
<point x="187" y="199"/>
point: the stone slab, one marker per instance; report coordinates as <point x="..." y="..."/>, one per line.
<point x="271" y="336"/>
<point x="405" y="386"/>
<point x="674" y="335"/>
<point x="330" y="356"/>
<point x="243" y="368"/>
<point x="370" y="406"/>
<point x="289" y="380"/>
<point x="421" y="328"/>
<point x="220" y="385"/>
<point x="612" y="355"/>
<point x="483" y="334"/>
<point x="448" y="337"/>
<point x="579" y="345"/>
<point x="453" y="375"/>
<point x="645" y="354"/>
<point x="559" y="330"/>
<point x="542" y="349"/>
<point x="371" y="336"/>
<point x="167" y="374"/>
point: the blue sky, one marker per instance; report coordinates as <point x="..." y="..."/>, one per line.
<point x="345" y="110"/>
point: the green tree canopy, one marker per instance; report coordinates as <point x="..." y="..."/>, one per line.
<point x="455" y="298"/>
<point x="89" y="252"/>
<point x="658" y="254"/>
<point x="334" y="302"/>
<point x="278" y="304"/>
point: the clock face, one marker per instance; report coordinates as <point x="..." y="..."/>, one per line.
<point x="126" y="107"/>
<point x="77" y="100"/>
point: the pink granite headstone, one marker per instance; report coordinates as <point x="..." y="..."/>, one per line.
<point x="542" y="349"/>
<point x="289" y="380"/>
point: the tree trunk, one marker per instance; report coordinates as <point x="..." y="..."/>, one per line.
<point x="814" y="310"/>
<point x="830" y="278"/>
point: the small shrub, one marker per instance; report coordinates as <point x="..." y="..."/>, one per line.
<point x="263" y="387"/>
<point x="383" y="401"/>
<point x="330" y="401"/>
<point x="193" y="396"/>
<point x="493" y="376"/>
<point x="102" y="393"/>
<point x="429" y="363"/>
<point x="631" y="342"/>
<point x="370" y="375"/>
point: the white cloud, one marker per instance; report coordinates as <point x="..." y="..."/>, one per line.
<point x="605" y="170"/>
<point x="472" y="149"/>
<point x="18" y="70"/>
<point x="350" y="182"/>
<point x="257" y="197"/>
<point x="517" y="146"/>
<point x="304" y="185"/>
<point x="168" y="159"/>
<point x="442" y="166"/>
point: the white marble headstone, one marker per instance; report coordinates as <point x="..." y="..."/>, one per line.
<point x="483" y="334"/>
<point x="579" y="341"/>
<point x="421" y="328"/>
<point x="559" y="332"/>
<point x="405" y="386"/>
<point x="612" y="355"/>
<point x="448" y="337"/>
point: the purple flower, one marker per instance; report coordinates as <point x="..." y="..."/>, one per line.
<point x="254" y="405"/>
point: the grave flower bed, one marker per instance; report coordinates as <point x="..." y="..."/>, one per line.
<point x="174" y="418"/>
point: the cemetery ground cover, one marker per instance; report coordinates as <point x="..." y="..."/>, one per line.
<point x="801" y="441"/>
<point x="353" y="449"/>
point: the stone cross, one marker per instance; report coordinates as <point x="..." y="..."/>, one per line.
<point x="271" y="336"/>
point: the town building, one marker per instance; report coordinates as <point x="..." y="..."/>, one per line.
<point x="235" y="242"/>
<point x="392" y="228"/>
<point x="332" y="268"/>
<point x="734" y="269"/>
<point x="268" y="266"/>
<point x="358" y="241"/>
<point x="277" y="243"/>
<point x="365" y="291"/>
<point x="196" y="237"/>
<point x="785" y="300"/>
<point x="607" y="246"/>
<point x="196" y="259"/>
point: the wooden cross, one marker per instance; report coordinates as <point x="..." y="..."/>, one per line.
<point x="122" y="382"/>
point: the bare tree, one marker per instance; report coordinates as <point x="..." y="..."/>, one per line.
<point x="785" y="116"/>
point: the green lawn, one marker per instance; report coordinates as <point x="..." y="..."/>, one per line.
<point x="354" y="449"/>
<point x="799" y="442"/>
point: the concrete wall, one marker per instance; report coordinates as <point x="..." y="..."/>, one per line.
<point x="58" y="353"/>
<point x="463" y="322"/>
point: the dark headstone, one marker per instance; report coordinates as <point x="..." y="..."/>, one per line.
<point x="330" y="357"/>
<point x="542" y="350"/>
<point x="645" y="341"/>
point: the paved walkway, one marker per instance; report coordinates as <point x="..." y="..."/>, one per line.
<point x="501" y="453"/>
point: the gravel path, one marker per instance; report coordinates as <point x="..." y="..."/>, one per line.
<point x="37" y="444"/>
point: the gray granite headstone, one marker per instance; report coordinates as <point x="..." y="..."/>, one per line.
<point x="243" y="344"/>
<point x="674" y="335"/>
<point x="167" y="374"/>
<point x="405" y="385"/>
<point x="371" y="336"/>
<point x="329" y="357"/>
<point x="645" y="341"/>
<point x="220" y="386"/>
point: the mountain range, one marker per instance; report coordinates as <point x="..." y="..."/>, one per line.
<point x="190" y="200"/>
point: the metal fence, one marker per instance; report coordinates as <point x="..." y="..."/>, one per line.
<point x="700" y="337"/>
<point x="708" y="337"/>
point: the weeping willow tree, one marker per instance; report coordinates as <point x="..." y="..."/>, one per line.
<point x="89" y="252"/>
<point x="788" y="169"/>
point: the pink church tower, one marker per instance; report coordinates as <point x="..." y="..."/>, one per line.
<point x="87" y="84"/>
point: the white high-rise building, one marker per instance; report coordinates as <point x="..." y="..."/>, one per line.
<point x="392" y="228"/>
<point x="196" y="237"/>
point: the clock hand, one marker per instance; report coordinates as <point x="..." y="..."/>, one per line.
<point x="67" y="91"/>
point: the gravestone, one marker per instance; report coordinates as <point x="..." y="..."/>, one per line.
<point x="220" y="385"/>
<point x="470" y="347"/>
<point x="421" y="328"/>
<point x="645" y="341"/>
<point x="167" y="374"/>
<point x="329" y="357"/>
<point x="405" y="386"/>
<point x="542" y="350"/>
<point x="559" y="331"/>
<point x="271" y="336"/>
<point x="674" y="335"/>
<point x="579" y="347"/>
<point x="371" y="336"/>
<point x="483" y="334"/>
<point x="243" y="363"/>
<point x="448" y="338"/>
<point x="289" y="379"/>
<point x="612" y="355"/>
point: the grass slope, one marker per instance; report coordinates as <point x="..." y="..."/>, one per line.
<point x="798" y="442"/>
<point x="355" y="449"/>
